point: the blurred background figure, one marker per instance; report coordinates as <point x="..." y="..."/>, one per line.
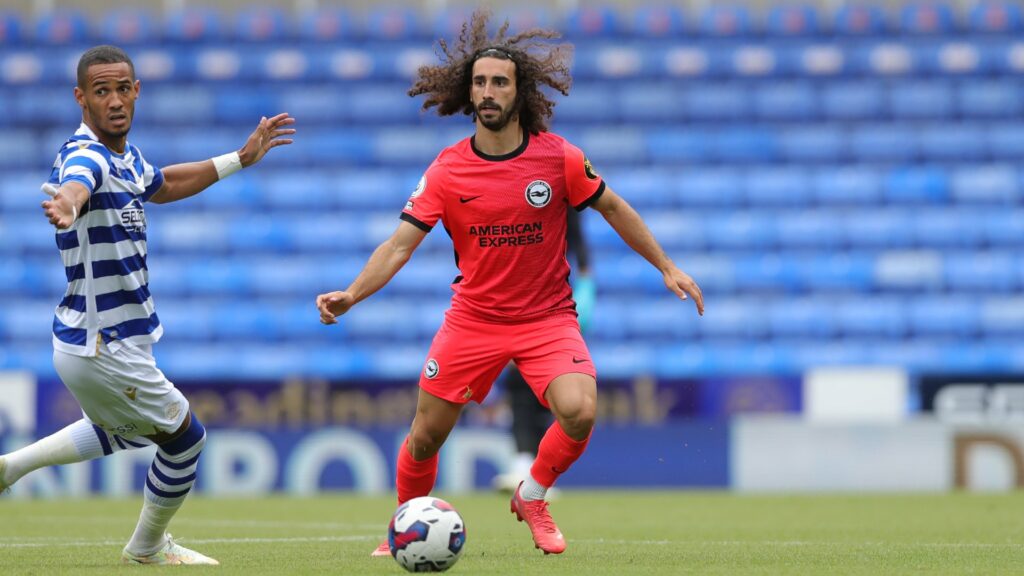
<point x="529" y="419"/>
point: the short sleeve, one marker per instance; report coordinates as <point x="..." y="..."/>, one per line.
<point x="152" y="179"/>
<point x="84" y="166"/>
<point x="585" y="185"/>
<point x="426" y="204"/>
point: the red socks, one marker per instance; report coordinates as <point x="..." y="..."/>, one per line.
<point x="557" y="451"/>
<point x="415" y="478"/>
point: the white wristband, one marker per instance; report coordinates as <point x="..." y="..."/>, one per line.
<point x="227" y="164"/>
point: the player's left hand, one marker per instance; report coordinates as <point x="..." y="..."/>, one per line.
<point x="332" y="305"/>
<point x="268" y="134"/>
<point x="682" y="285"/>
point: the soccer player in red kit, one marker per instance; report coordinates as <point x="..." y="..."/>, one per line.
<point x="502" y="195"/>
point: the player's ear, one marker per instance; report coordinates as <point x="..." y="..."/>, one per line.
<point x="80" y="97"/>
<point x="138" y="87"/>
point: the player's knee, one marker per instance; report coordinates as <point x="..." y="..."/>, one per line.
<point x="190" y="442"/>
<point x="423" y="443"/>
<point x="577" y="418"/>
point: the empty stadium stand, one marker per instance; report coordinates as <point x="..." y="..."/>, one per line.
<point x="847" y="186"/>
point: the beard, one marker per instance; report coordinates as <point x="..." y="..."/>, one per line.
<point x="497" y="123"/>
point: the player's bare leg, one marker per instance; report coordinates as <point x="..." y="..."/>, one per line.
<point x="573" y="399"/>
<point x="417" y="458"/>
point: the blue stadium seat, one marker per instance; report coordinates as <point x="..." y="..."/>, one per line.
<point x="593" y="21"/>
<point x="952" y="142"/>
<point x="614" y="62"/>
<point x="917" y="184"/>
<point x="11" y="32"/>
<point x="774" y="186"/>
<point x="801" y="317"/>
<point x="613" y="145"/>
<point x="992" y="271"/>
<point x="381" y="319"/>
<point x="913" y="271"/>
<point x="596" y="102"/>
<point x="876" y="316"/>
<point x="843" y="272"/>
<point x="20" y="148"/>
<point x="844" y="100"/>
<point x="30" y="320"/>
<point x="62" y="27"/>
<point x="527" y="17"/>
<point x="393" y="22"/>
<point x="645" y="102"/>
<point x="191" y="318"/>
<point x="676" y="145"/>
<point x="859" y="19"/>
<point x="740" y="230"/>
<point x="657" y="21"/>
<point x="129" y="26"/>
<point x="883" y="142"/>
<point x="725" y="21"/>
<point x="676" y="230"/>
<point x="382" y="103"/>
<point x="1004" y="227"/>
<point x="931" y="17"/>
<point x="957" y="228"/>
<point x="786" y="101"/>
<point x="989" y="99"/>
<point x="995" y="17"/>
<point x="170" y="104"/>
<point x="370" y="189"/>
<point x="733" y="317"/>
<point x="1002" y="315"/>
<point x="1006" y="141"/>
<point x="658" y="318"/>
<point x="195" y="25"/>
<point x="772" y="272"/>
<point x="708" y="187"/>
<point x="921" y="99"/>
<point x="746" y="145"/>
<point x="886" y="57"/>
<point x="813" y="229"/>
<point x="327" y="24"/>
<point x="955" y="315"/>
<point x="878" y="228"/>
<point x="792" y="20"/>
<point x="813" y="143"/>
<point x="986" y="183"/>
<point x="848" y="184"/>
<point x="262" y="24"/>
<point x="644" y="187"/>
<point x="447" y="22"/>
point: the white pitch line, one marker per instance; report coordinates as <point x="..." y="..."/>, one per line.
<point x="104" y="543"/>
<point x="213" y="522"/>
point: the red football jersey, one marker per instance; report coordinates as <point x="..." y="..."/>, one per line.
<point x="507" y="219"/>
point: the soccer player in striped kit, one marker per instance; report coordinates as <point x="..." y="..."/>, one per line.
<point x="502" y="195"/>
<point x="105" y="326"/>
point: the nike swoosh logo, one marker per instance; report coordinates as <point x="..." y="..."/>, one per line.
<point x="470" y="199"/>
<point x="576" y="360"/>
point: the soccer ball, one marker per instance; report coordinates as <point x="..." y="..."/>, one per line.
<point x="426" y="535"/>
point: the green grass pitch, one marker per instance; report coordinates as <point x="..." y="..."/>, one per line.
<point x="609" y="532"/>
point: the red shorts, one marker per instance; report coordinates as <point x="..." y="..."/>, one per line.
<point x="468" y="355"/>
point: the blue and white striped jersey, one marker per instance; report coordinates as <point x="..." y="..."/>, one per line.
<point x="104" y="251"/>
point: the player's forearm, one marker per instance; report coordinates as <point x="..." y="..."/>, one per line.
<point x="184" y="180"/>
<point x="382" y="266"/>
<point x="635" y="233"/>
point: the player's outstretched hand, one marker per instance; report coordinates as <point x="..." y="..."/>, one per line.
<point x="680" y="282"/>
<point x="268" y="134"/>
<point x="332" y="305"/>
<point x="59" y="209"/>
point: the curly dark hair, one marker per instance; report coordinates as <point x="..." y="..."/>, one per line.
<point x="538" y="62"/>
